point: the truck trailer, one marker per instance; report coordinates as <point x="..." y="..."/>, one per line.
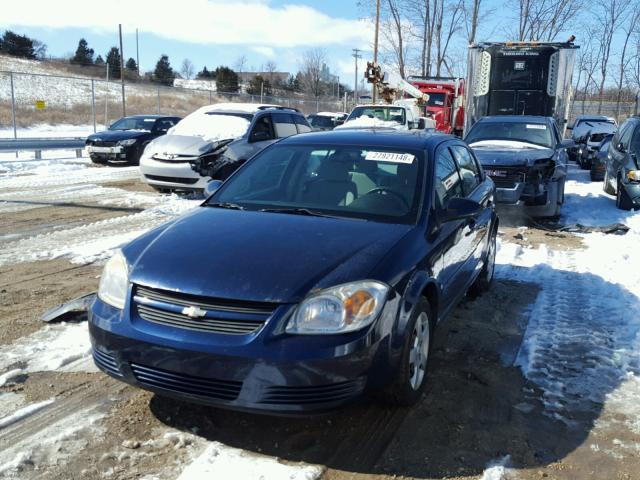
<point x="519" y="78"/>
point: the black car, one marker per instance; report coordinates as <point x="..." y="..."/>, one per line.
<point x="316" y="273"/>
<point x="599" y="159"/>
<point x="622" y="170"/>
<point x="526" y="158"/>
<point x="126" y="139"/>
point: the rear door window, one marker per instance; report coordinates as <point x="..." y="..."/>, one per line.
<point x="469" y="170"/>
<point x="448" y="183"/>
<point x="284" y="125"/>
<point x="301" y="124"/>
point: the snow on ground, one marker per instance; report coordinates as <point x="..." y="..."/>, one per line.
<point x="221" y="461"/>
<point x="582" y="343"/>
<point x="51" y="131"/>
<point x="497" y="470"/>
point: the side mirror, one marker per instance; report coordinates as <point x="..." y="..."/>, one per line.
<point x="421" y="124"/>
<point x="567" y="143"/>
<point x="259" y="136"/>
<point x="211" y="187"/>
<point x="339" y="122"/>
<point x="461" y="209"/>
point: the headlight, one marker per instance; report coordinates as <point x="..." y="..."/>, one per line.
<point x="341" y="309"/>
<point x="633" y="175"/>
<point x="114" y="281"/>
<point x="127" y="143"/>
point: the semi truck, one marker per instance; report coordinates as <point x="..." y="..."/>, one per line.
<point x="446" y="101"/>
<point x="519" y="78"/>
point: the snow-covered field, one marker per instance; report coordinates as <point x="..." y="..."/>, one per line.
<point x="581" y="347"/>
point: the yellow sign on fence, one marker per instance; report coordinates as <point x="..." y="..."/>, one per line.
<point x="40" y="104"/>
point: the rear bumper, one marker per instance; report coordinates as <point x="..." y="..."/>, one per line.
<point x="289" y="376"/>
<point x="171" y="175"/>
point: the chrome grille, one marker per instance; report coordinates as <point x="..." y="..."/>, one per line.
<point x="219" y="316"/>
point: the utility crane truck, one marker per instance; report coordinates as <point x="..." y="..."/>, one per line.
<point x="397" y="113"/>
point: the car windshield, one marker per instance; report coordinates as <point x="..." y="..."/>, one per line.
<point x="345" y="181"/>
<point x="134" y="123"/>
<point x="319" y="121"/>
<point x="394" y="115"/>
<point x="212" y="126"/>
<point x="436" y="100"/>
<point x="522" y="132"/>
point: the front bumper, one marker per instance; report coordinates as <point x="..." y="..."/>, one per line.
<point x="538" y="202"/>
<point x="110" y="154"/>
<point x="267" y="371"/>
<point x="168" y="174"/>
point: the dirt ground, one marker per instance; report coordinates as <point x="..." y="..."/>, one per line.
<point x="477" y="409"/>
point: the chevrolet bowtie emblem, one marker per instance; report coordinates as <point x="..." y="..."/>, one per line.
<point x="194" y="312"/>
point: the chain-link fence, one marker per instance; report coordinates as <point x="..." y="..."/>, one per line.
<point x="608" y="108"/>
<point x="31" y="103"/>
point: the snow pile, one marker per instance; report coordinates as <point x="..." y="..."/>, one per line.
<point x="24" y="412"/>
<point x="582" y="343"/>
<point x="196" y="84"/>
<point x="210" y="127"/>
<point x="220" y="461"/>
<point x="497" y="469"/>
<point x="60" y="347"/>
<point x="45" y="130"/>
<point x="369" y="122"/>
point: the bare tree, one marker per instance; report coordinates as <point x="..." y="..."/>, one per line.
<point x="612" y="13"/>
<point x="311" y="71"/>
<point x="241" y="64"/>
<point x="629" y="28"/>
<point x="270" y="67"/>
<point x="446" y="26"/>
<point x="544" y="20"/>
<point x="187" y="69"/>
<point x="471" y="12"/>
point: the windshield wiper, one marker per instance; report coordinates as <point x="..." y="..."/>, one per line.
<point x="227" y="205"/>
<point x="297" y="211"/>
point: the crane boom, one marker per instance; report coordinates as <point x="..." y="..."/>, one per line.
<point x="389" y="84"/>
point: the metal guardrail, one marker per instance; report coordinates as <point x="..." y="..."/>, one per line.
<point x="39" y="144"/>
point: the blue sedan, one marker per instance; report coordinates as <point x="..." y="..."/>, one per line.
<point x="315" y="274"/>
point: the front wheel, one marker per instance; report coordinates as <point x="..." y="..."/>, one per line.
<point x="412" y="375"/>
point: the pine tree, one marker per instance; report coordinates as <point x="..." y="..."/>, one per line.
<point x="84" y="54"/>
<point x="113" y="59"/>
<point x="99" y="60"/>
<point x="17" y="45"/>
<point x="131" y="65"/>
<point x="163" y="72"/>
<point x="259" y="84"/>
<point x="226" y="80"/>
<point x="205" y="74"/>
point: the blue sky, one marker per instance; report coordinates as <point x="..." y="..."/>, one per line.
<point x="219" y="32"/>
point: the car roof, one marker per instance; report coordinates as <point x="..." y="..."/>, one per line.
<point x="516" y="119"/>
<point x="371" y="137"/>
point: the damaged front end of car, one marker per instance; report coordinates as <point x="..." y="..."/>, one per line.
<point x="535" y="185"/>
<point x="215" y="163"/>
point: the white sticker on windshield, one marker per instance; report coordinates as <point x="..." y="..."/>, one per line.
<point x="149" y="120"/>
<point x="390" y="157"/>
<point x="536" y="126"/>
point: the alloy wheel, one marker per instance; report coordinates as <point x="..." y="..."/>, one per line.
<point x="419" y="353"/>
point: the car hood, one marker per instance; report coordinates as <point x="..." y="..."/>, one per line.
<point x="511" y="157"/>
<point x="117" y="135"/>
<point x="258" y="256"/>
<point x="179" y="145"/>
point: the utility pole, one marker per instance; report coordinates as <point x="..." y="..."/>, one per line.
<point x="375" y="49"/>
<point x="356" y="55"/>
<point x="137" y="53"/>
<point x="124" y="110"/>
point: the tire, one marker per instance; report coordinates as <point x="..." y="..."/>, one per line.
<point x="411" y="379"/>
<point x="606" y="186"/>
<point x="623" y="202"/>
<point x="97" y="160"/>
<point x="483" y="282"/>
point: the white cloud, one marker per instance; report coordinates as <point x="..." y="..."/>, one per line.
<point x="220" y="22"/>
<point x="265" y="51"/>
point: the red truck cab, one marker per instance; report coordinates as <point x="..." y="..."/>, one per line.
<point x="446" y="101"/>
